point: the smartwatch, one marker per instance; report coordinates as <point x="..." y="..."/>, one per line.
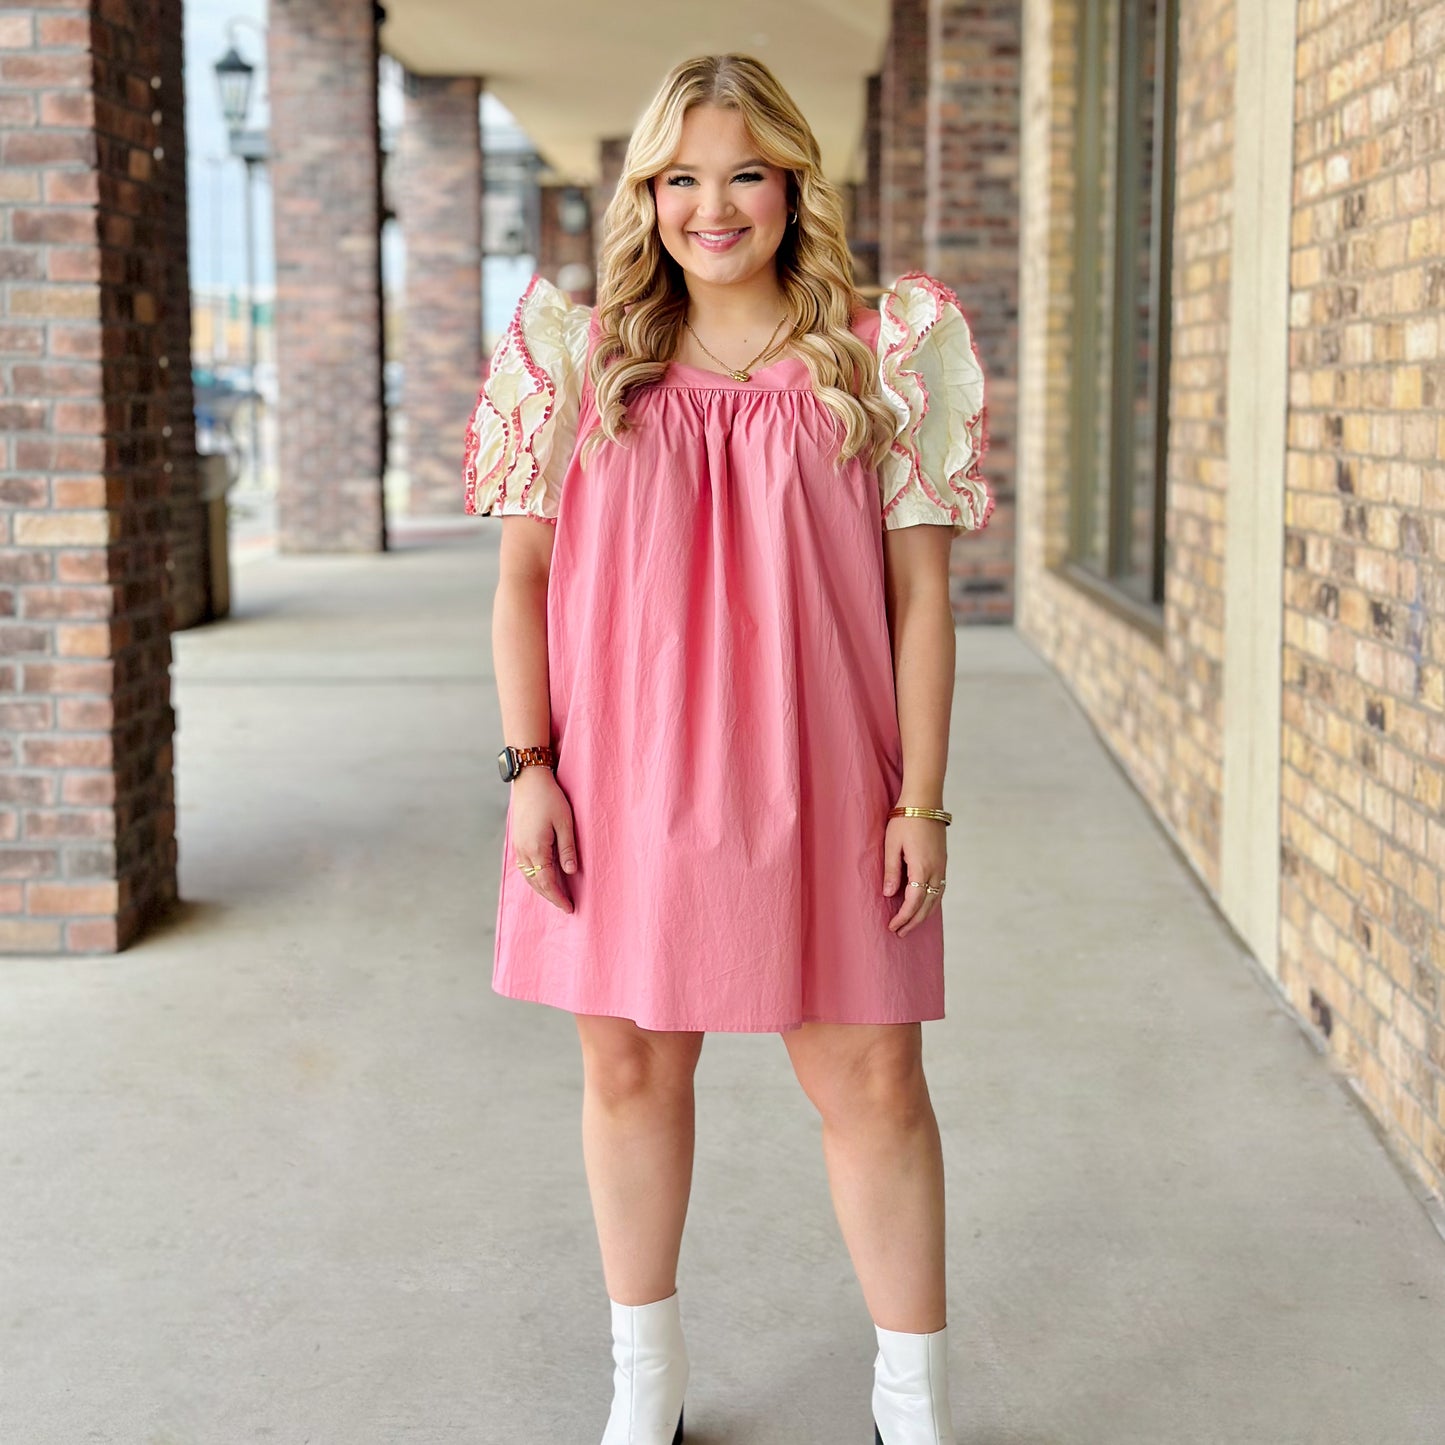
<point x="511" y="761"/>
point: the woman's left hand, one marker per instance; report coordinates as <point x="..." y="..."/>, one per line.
<point x="918" y="846"/>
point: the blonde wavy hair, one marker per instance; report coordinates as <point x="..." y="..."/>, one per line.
<point x="642" y="295"/>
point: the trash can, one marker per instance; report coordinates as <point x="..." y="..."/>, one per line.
<point x="216" y="480"/>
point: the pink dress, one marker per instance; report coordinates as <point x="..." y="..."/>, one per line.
<point x="720" y="673"/>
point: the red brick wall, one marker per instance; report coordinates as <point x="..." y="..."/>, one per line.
<point x="863" y="231"/>
<point x="1362" y="941"/>
<point x="87" y="822"/>
<point x="190" y="591"/>
<point x="611" y="152"/>
<point x="439" y="201"/>
<point x="325" y="184"/>
<point x="971" y="228"/>
<point x="558" y="248"/>
<point x="902" y="175"/>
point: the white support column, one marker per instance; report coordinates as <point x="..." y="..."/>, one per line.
<point x="1258" y="401"/>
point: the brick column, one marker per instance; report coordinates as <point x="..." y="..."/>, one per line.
<point x="610" y="154"/>
<point x="560" y="252"/>
<point x="326" y="189"/>
<point x="864" y="232"/>
<point x="971" y="231"/>
<point x="903" y="105"/>
<point x="439" y="200"/>
<point x="87" y="819"/>
<point x="189" y="544"/>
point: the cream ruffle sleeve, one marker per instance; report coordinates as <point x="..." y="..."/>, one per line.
<point x="522" y="432"/>
<point x="932" y="379"/>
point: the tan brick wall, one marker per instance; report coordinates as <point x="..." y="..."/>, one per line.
<point x="1157" y="706"/>
<point x="1363" y="812"/>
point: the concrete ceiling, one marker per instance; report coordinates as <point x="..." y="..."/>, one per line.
<point x="576" y="71"/>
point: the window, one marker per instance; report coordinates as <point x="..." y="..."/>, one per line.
<point x="1125" y="141"/>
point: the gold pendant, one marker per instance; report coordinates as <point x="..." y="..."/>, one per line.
<point x="738" y="375"/>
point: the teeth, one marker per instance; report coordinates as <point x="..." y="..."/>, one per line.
<point x="719" y="235"/>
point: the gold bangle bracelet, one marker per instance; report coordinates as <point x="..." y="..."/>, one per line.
<point x="905" y="812"/>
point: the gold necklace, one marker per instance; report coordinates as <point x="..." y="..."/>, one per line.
<point x="744" y="372"/>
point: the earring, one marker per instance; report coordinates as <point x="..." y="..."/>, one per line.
<point x="792" y="218"/>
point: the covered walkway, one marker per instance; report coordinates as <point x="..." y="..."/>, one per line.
<point x="287" y="1170"/>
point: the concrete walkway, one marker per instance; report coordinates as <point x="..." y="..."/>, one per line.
<point x="289" y="1172"/>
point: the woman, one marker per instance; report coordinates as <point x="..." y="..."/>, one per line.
<point x="725" y="664"/>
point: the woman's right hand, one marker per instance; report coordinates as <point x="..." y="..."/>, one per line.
<point x="542" y="832"/>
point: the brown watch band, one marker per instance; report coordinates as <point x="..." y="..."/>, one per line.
<point x="511" y="761"/>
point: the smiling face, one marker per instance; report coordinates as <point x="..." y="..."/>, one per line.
<point x="721" y="211"/>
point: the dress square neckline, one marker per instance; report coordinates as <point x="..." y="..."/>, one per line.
<point x="707" y="380"/>
<point x="676" y="378"/>
<point x="863" y="322"/>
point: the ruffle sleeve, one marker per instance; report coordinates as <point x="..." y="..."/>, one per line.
<point x="932" y="379"/>
<point x="522" y="432"/>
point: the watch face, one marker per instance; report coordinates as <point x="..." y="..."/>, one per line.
<point x="504" y="764"/>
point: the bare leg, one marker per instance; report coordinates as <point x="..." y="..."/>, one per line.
<point x="637" y="1147"/>
<point x="885" y="1163"/>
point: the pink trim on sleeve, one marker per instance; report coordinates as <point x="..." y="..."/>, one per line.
<point x="905" y="444"/>
<point x="514" y="443"/>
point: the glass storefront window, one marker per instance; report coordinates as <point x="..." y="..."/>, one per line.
<point x="1121" y="316"/>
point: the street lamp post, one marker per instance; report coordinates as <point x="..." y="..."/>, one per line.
<point x="234" y="75"/>
<point x="217" y="165"/>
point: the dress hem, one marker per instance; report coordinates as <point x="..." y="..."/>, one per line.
<point x="751" y="1028"/>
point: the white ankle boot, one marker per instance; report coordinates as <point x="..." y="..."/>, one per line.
<point x="910" y="1389"/>
<point x="651" y="1373"/>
